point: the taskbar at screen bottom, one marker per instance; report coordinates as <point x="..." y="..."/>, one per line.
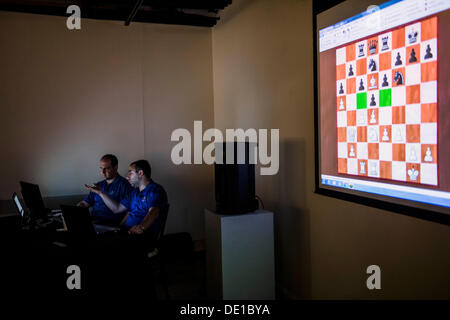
<point x="432" y="197"/>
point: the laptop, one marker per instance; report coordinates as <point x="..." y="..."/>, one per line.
<point x="33" y="200"/>
<point x="18" y="205"/>
<point x="78" y="222"/>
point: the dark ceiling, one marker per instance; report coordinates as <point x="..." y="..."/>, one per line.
<point x="202" y="13"/>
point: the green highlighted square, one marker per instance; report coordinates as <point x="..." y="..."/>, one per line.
<point x="361" y="100"/>
<point x="385" y="98"/>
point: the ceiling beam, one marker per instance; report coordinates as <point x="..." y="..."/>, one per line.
<point x="134" y="11"/>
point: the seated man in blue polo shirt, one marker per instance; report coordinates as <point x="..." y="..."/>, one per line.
<point x="142" y="205"/>
<point x="116" y="186"/>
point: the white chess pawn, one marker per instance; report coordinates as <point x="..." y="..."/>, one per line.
<point x="372" y="82"/>
<point x="413" y="155"/>
<point x="363" y="168"/>
<point x="398" y="135"/>
<point x="352" y="152"/>
<point x="385" y="135"/>
<point x="351" y="135"/>
<point x="373" y="119"/>
<point x="361" y="119"/>
<point x="428" y="157"/>
<point x="341" y="104"/>
<point x="373" y="135"/>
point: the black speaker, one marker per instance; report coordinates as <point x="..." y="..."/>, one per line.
<point x="235" y="182"/>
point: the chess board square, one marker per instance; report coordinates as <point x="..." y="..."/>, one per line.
<point x="413" y="133"/>
<point x="398" y="77"/>
<point x="373" y="133"/>
<point x="374" y="168"/>
<point x="412" y="34"/>
<point x="428" y="71"/>
<point x="412" y="113"/>
<point x="362" y="78"/>
<point x="385" y="150"/>
<point x="362" y="167"/>
<point x="428" y="92"/>
<point x="429" y="153"/>
<point x="413" y="152"/>
<point x="361" y="117"/>
<point x="361" y="45"/>
<point x="413" y="172"/>
<point x="342" y="119"/>
<point x="361" y="66"/>
<point x="340" y="56"/>
<point x="398" y="133"/>
<point x="350" y="69"/>
<point x="412" y="74"/>
<point x="361" y="100"/>
<point x="385" y="79"/>
<point x="429" y="174"/>
<point x="413" y="94"/>
<point x="372" y="99"/>
<point x="399" y="96"/>
<point x="372" y="46"/>
<point x="361" y="134"/>
<point x="398" y="38"/>
<point x="398" y="57"/>
<point x="372" y="80"/>
<point x="385" y="61"/>
<point x="351" y="150"/>
<point x="399" y="171"/>
<point x="385" y="98"/>
<point x="351" y="85"/>
<point x="398" y="115"/>
<point x="429" y="112"/>
<point x="351" y="101"/>
<point x="351" y="133"/>
<point x="342" y="149"/>
<point x="398" y="152"/>
<point x="373" y="64"/>
<point x="386" y="170"/>
<point x="350" y="53"/>
<point x="428" y="133"/>
<point x="342" y="165"/>
<point x="429" y="28"/>
<point x="352" y="166"/>
<point x="382" y="40"/>
<point x="373" y="149"/>
<point x="373" y="115"/>
<point x="385" y="116"/>
<point x="351" y="118"/>
<point x="413" y="54"/>
<point x="428" y="50"/>
<point x="362" y="150"/>
<point x="385" y="133"/>
<point x="342" y="134"/>
<point x="340" y="85"/>
<point x="340" y="72"/>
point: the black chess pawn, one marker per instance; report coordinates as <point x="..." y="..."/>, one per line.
<point x="398" y="62"/>
<point x="412" y="58"/>
<point x="350" y="72"/>
<point x="428" y="55"/>
<point x="361" y="85"/>
<point x="341" y="90"/>
<point x="385" y="82"/>
<point x="372" y="101"/>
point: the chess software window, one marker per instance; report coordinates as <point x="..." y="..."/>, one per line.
<point x="383" y="102"/>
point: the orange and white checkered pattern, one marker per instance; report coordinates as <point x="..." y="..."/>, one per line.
<point x="387" y="128"/>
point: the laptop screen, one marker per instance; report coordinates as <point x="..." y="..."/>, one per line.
<point x="18" y="204"/>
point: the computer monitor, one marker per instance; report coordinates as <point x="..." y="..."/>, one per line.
<point x="17" y="204"/>
<point x="33" y="200"/>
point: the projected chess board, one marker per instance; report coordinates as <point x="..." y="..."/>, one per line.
<point x="386" y="89"/>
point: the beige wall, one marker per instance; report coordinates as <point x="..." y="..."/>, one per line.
<point x="68" y="97"/>
<point x="263" y="78"/>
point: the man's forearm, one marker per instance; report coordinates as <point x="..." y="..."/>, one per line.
<point x="112" y="204"/>
<point x="150" y="218"/>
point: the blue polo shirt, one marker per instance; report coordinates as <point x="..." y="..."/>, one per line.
<point x="139" y="202"/>
<point x="117" y="190"/>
